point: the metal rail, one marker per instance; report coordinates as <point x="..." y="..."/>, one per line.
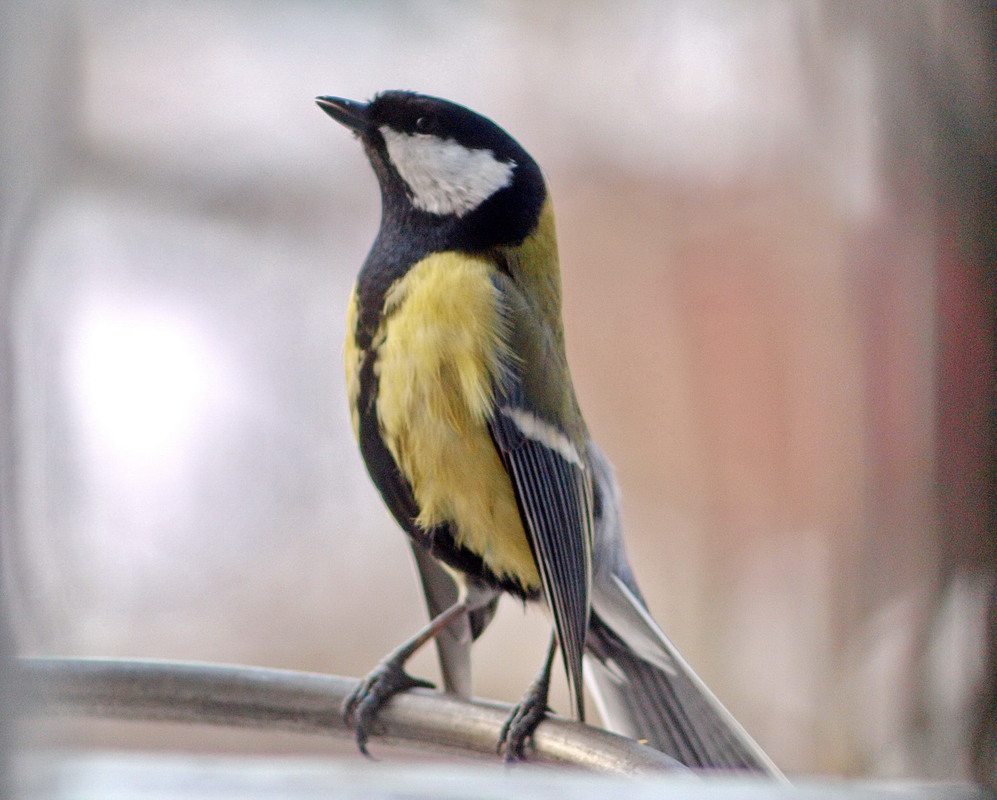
<point x="309" y="703"/>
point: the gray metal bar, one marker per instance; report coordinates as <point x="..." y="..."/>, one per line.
<point x="309" y="703"/>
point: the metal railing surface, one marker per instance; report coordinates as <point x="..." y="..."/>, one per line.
<point x="310" y="703"/>
<point x="261" y="698"/>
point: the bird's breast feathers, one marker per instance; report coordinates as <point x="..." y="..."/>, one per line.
<point x="441" y="347"/>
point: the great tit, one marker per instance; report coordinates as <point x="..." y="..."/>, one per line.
<point x="463" y="407"/>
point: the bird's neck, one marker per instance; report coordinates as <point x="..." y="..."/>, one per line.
<point x="536" y="267"/>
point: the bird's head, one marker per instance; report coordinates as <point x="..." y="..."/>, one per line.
<point x="446" y="168"/>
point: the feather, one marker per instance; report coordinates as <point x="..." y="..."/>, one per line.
<point x="553" y="489"/>
<point x="643" y="687"/>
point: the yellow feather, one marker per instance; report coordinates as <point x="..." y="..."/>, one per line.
<point x="351" y="360"/>
<point x="442" y="344"/>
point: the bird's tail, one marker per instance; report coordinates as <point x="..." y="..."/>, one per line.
<point x="666" y="706"/>
<point x="643" y="687"/>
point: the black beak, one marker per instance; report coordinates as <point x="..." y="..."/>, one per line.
<point x="346" y="112"/>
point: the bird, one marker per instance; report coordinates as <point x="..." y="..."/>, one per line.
<point x="462" y="403"/>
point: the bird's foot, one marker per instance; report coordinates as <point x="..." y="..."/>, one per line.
<point x="526" y="716"/>
<point x="383" y="682"/>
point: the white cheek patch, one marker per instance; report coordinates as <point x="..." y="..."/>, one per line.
<point x="445" y="177"/>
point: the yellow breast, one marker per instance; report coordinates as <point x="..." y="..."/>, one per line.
<point x="441" y="344"/>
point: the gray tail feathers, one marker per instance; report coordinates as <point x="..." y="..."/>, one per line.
<point x="668" y="708"/>
<point x="642" y="685"/>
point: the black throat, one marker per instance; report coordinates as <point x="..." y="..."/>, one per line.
<point x="407" y="234"/>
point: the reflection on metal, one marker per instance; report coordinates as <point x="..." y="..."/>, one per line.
<point x="310" y="703"/>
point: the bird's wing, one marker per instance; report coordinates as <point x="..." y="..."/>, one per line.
<point x="552" y="485"/>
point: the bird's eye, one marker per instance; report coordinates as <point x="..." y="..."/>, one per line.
<point x="424" y="124"/>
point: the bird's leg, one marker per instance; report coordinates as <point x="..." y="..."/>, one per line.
<point x="389" y="678"/>
<point x="528" y="713"/>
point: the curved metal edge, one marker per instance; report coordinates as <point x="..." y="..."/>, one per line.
<point x="310" y="703"/>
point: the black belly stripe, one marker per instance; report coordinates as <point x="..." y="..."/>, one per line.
<point x="381" y="465"/>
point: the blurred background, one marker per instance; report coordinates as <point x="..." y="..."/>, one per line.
<point x="777" y="247"/>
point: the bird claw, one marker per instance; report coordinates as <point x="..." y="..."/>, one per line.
<point x="522" y="723"/>
<point x="362" y="705"/>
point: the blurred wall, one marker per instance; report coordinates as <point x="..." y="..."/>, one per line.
<point x="774" y="249"/>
